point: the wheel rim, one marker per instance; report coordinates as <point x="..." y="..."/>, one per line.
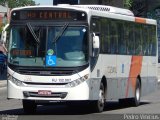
<point x="101" y="99"/>
<point x="138" y="94"/>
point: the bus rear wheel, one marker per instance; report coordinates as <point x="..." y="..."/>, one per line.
<point x="29" y="106"/>
<point x="137" y="97"/>
<point x="135" y="101"/>
<point x="98" y="105"/>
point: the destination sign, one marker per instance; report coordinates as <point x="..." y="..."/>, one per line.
<point x="48" y="15"/>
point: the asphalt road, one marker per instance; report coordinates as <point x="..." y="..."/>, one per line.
<point x="150" y="105"/>
<point x="148" y="110"/>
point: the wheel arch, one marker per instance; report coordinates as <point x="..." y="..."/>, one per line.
<point x="104" y="81"/>
<point x="139" y="78"/>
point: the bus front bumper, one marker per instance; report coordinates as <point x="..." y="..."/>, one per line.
<point x="43" y="92"/>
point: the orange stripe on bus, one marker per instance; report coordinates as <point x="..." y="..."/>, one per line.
<point x="135" y="70"/>
<point x="140" y="20"/>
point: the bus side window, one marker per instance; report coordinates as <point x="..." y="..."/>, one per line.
<point x="129" y="37"/>
<point x="105" y="41"/>
<point x="121" y="40"/>
<point x="153" y="41"/>
<point x="113" y="36"/>
<point x="145" y="42"/>
<point x="138" y="39"/>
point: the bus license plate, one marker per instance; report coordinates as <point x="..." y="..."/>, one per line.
<point x="44" y="92"/>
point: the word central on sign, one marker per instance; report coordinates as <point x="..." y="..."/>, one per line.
<point x="49" y="15"/>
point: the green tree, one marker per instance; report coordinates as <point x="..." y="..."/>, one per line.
<point x="16" y="3"/>
<point x="128" y="4"/>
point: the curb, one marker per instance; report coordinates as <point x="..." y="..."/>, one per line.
<point x="3" y="83"/>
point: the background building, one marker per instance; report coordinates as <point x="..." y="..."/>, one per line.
<point x="3" y="15"/>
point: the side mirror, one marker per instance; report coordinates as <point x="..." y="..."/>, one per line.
<point x="95" y="41"/>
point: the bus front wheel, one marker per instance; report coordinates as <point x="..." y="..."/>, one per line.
<point x="98" y="105"/>
<point x="29" y="106"/>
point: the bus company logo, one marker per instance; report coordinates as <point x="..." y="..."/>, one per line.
<point x="111" y="69"/>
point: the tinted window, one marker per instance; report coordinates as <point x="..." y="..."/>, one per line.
<point x="121" y="41"/>
<point x="113" y="32"/>
<point x="129" y="37"/>
<point x="105" y="36"/>
<point x="138" y="39"/>
<point x="152" y="40"/>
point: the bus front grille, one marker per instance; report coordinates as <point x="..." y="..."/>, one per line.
<point x="61" y="95"/>
<point x="46" y="73"/>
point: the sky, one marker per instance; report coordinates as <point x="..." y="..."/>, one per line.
<point x="44" y="2"/>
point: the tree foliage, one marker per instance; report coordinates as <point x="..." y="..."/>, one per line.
<point x="128" y="4"/>
<point x="16" y="3"/>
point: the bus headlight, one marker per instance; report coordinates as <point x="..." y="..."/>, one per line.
<point x="77" y="81"/>
<point x="9" y="77"/>
<point x="15" y="81"/>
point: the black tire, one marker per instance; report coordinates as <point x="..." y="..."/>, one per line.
<point x="29" y="106"/>
<point x="137" y="97"/>
<point x="98" y="106"/>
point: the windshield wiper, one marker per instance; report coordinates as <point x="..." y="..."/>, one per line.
<point x="61" y="32"/>
<point x="33" y="33"/>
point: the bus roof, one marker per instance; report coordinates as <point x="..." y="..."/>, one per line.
<point x="127" y="14"/>
<point x="107" y="9"/>
<point x="89" y="7"/>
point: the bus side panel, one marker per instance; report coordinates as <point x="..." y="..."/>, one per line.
<point x="94" y="89"/>
<point x="112" y="89"/>
<point x="95" y="79"/>
<point x="105" y="67"/>
<point x="149" y="76"/>
<point x="144" y="76"/>
<point x="109" y="70"/>
<point x="118" y="70"/>
<point x="123" y="73"/>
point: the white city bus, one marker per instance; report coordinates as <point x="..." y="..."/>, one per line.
<point x="70" y="53"/>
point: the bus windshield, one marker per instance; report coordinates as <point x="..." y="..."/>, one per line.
<point x="48" y="46"/>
